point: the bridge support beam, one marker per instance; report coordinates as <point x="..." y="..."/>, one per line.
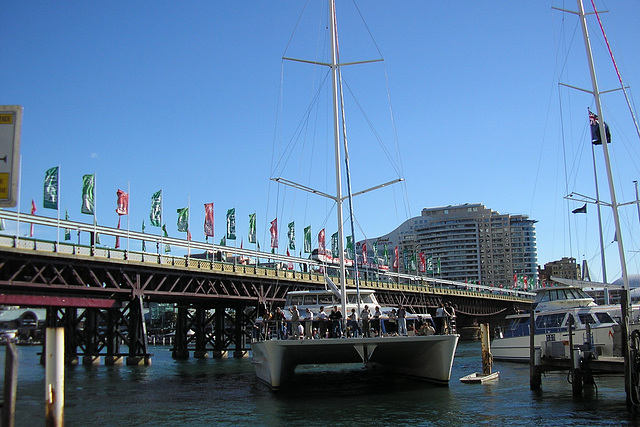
<point x="200" y="326"/>
<point x="180" y="343"/>
<point x="138" y="350"/>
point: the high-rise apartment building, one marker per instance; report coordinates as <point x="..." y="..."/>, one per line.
<point x="467" y="242"/>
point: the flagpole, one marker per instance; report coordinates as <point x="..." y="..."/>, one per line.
<point x="599" y="209"/>
<point x="19" y="199"/>
<point x="128" y="216"/>
<point x="58" y="208"/>
<point x="95" y="206"/>
<point x="188" y="226"/>
<point x="161" y="219"/>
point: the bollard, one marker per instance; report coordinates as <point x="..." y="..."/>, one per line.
<point x="54" y="377"/>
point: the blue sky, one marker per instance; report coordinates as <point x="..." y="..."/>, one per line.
<point x="187" y="97"/>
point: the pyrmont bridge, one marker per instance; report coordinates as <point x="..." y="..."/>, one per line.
<point x="99" y="293"/>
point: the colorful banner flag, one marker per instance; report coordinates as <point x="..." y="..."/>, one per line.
<point x="307" y="240"/>
<point x="274" y="233"/>
<point x="423" y="263"/>
<point x="208" y="219"/>
<point x="322" y="248"/>
<point x="231" y="224"/>
<point x="67" y="232"/>
<point x="385" y="255"/>
<point x="374" y="246"/>
<point x="414" y="262"/>
<point x="396" y="261"/>
<point x="429" y="269"/>
<point x="335" y="250"/>
<point x="291" y="234"/>
<point x="155" y="217"/>
<point x="167" y="247"/>
<point x="88" y="194"/>
<point x="33" y="211"/>
<point x="364" y="253"/>
<point x="350" y="252"/>
<point x="183" y="220"/>
<point x="252" y="228"/>
<point x="50" y="200"/>
<point x="122" y="206"/>
<point x="144" y="246"/>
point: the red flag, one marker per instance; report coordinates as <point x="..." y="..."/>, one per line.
<point x="122" y="207"/>
<point x="208" y="219"/>
<point x="525" y="283"/>
<point x="515" y="279"/>
<point x="118" y="237"/>
<point x="274" y="233"/>
<point x="396" y="260"/>
<point x="364" y="253"/>
<point x="322" y="249"/>
<point x="33" y="211"/>
<point x="423" y="263"/>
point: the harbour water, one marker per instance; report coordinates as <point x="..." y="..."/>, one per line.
<point x="225" y="392"/>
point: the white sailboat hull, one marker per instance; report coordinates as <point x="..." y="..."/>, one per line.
<point x="426" y="357"/>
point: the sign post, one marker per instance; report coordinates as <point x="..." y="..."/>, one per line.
<point x="10" y="131"/>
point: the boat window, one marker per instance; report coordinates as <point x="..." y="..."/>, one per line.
<point x="586" y="318"/>
<point x="553" y="295"/>
<point x="604" y="318"/>
<point x="352" y="299"/>
<point x="543" y="297"/>
<point x="368" y="299"/>
<point x="310" y="300"/>
<point x="296" y="300"/>
<point x="325" y="300"/>
<point x="550" y="321"/>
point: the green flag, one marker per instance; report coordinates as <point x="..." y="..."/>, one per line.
<point x="95" y="222"/>
<point x="231" y="224"/>
<point x="252" y="228"/>
<point x="429" y="265"/>
<point x="374" y="246"/>
<point x="307" y="240"/>
<point x="155" y="217"/>
<point x="405" y="259"/>
<point x="88" y="194"/>
<point x="167" y="247"/>
<point x="223" y="241"/>
<point x="385" y="255"/>
<point x="144" y="246"/>
<point x="335" y="250"/>
<point x="51" y="189"/>
<point x="414" y="262"/>
<point x="350" y="252"/>
<point x="292" y="236"/>
<point x="67" y="232"/>
<point x="183" y="220"/>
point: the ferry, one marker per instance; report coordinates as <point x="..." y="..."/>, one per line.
<point x="593" y="325"/>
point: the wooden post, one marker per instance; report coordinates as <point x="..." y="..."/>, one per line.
<point x="54" y="377"/>
<point x="486" y="349"/>
<point x="10" y="385"/>
<point x="535" y="371"/>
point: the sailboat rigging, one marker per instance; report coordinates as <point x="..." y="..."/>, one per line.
<point x="426" y="357"/>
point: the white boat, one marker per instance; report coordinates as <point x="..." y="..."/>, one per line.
<point x="428" y="357"/>
<point x="592" y="326"/>
<point x="478" y="378"/>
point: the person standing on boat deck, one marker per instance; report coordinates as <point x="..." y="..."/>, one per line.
<point x="440" y="319"/>
<point x="308" y="324"/>
<point x="336" y="322"/>
<point x="365" y="316"/>
<point x="402" y="321"/>
<point x="352" y="324"/>
<point x="451" y="315"/>
<point x="295" y="321"/>
<point x="393" y="319"/>
<point x="322" y="322"/>
<point x="280" y="324"/>
<point x="376" y="321"/>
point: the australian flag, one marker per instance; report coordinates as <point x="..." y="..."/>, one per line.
<point x="595" y="129"/>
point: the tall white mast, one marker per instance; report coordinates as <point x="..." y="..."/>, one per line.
<point x="336" y="138"/>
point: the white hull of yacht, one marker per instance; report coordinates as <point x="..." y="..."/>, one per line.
<point x="517" y="349"/>
<point x="428" y="358"/>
